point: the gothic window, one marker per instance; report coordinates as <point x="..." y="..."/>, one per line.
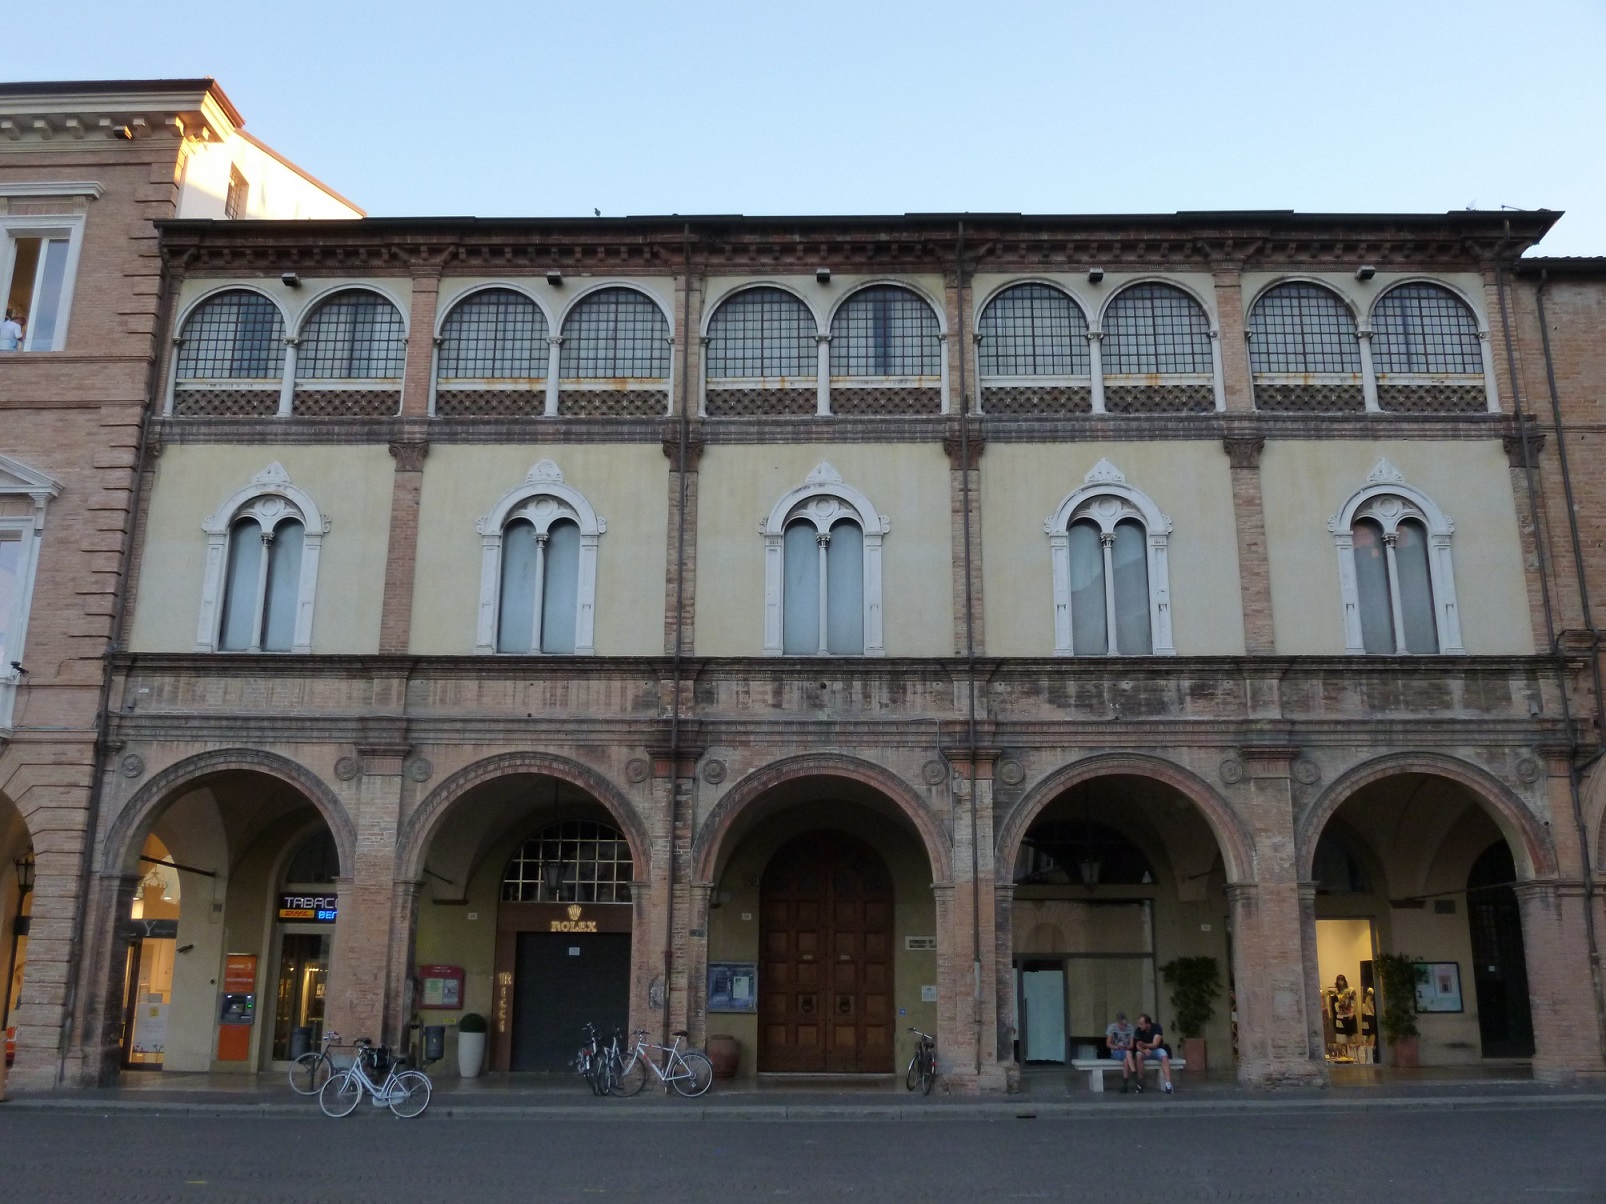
<point x="1302" y="328"/>
<point x="1156" y="329"/>
<point x="1033" y="330"/>
<point x="496" y="333"/>
<point x="353" y="335"/>
<point x="615" y="332"/>
<point x="762" y="332"/>
<point x="233" y="335"/>
<point x="885" y="330"/>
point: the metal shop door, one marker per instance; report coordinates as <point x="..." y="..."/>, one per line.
<point x="562" y="981"/>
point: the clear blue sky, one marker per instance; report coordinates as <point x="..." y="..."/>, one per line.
<point x="857" y="106"/>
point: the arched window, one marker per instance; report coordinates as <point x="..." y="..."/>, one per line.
<point x="1109" y="546"/>
<point x="823" y="571"/>
<point x="495" y="333"/>
<point x="1425" y="329"/>
<point x="1156" y="328"/>
<point x="261" y="569"/>
<point x="1302" y="328"/>
<point x="354" y="335"/>
<point x="885" y="330"/>
<point x="1033" y="330"/>
<point x="1337" y="870"/>
<point x="538" y="574"/>
<point x="1395" y="572"/>
<point x="615" y="332"/>
<point x="315" y="863"/>
<point x="1079" y="852"/>
<point x="762" y="332"/>
<point x="233" y="335"/>
<point x="574" y="861"/>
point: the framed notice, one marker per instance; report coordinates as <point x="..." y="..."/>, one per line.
<point x="440" y="987"/>
<point x="733" y="986"/>
<point x="1438" y="986"/>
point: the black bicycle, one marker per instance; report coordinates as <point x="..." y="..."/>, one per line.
<point x="923" y="1066"/>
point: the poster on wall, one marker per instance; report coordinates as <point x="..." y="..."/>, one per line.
<point x="1438" y="986"/>
<point x="733" y="986"/>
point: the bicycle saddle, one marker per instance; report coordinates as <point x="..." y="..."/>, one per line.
<point x="680" y="1032"/>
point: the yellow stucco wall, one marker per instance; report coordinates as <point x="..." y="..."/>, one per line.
<point x="1305" y="483"/>
<point x="907" y="483"/>
<point x="627" y="485"/>
<point x="352" y="487"/>
<point x="1024" y="483"/>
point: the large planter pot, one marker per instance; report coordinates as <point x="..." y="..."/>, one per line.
<point x="470" y="1054"/>
<point x="1403" y="1053"/>
<point x="725" y="1052"/>
<point x="1195" y="1054"/>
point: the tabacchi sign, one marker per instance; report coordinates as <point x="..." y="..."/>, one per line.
<point x="308" y="909"/>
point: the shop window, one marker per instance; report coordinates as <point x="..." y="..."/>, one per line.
<point x="575" y="861"/>
<point x="38" y="263"/>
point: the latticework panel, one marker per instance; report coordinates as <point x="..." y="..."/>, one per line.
<point x="893" y="400"/>
<point x="762" y="403"/>
<point x="1160" y="399"/>
<point x="490" y="403"/>
<point x="225" y="403"/>
<point x="1310" y="399"/>
<point x="613" y="403"/>
<point x="1433" y="399"/>
<point x="1038" y="399"/>
<point x="346" y="403"/>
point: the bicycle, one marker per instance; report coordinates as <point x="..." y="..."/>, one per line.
<point x="593" y="1064"/>
<point x="923" y="1066"/>
<point x="688" y="1071"/>
<point x="311" y="1070"/>
<point x="406" y="1091"/>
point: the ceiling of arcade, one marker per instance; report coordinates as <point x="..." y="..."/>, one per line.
<point x="217" y="825"/>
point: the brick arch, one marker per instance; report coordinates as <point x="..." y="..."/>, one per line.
<point x="713" y="833"/>
<point x="412" y="842"/>
<point x="1521" y="828"/>
<point x="1233" y="837"/>
<point x="150" y="799"/>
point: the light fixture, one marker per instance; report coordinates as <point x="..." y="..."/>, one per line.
<point x="1365" y="272"/>
<point x="25" y="873"/>
<point x="1094" y="275"/>
<point x="552" y="877"/>
<point x="290" y="279"/>
<point x="822" y="275"/>
<point x="555" y="279"/>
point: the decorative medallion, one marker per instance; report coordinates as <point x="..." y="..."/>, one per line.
<point x="1232" y="771"/>
<point x="934" y="772"/>
<point x="420" y="769"/>
<point x="1307" y="772"/>
<point x="347" y="768"/>
<point x="1011" y="772"/>
<point x="638" y="769"/>
<point x="714" y="771"/>
<point x="1528" y="769"/>
<point x="132" y="765"/>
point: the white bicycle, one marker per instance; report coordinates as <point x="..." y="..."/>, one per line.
<point x="686" y="1070"/>
<point x="405" y="1091"/>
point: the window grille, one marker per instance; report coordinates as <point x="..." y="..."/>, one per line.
<point x="233" y="335"/>
<point x="885" y="331"/>
<point x="615" y="332"/>
<point x="353" y="336"/>
<point x="591" y="863"/>
<point x="494" y="333"/>
<point x="1302" y="328"/>
<point x="762" y="332"/>
<point x="1425" y="328"/>
<point x="1033" y="330"/>
<point x="1155" y="328"/>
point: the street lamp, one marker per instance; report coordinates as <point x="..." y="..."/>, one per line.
<point x="552" y="877"/>
<point x="25" y="871"/>
<point x="19" y="928"/>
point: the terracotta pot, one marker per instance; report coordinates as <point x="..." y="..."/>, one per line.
<point x="724" y="1051"/>
<point x="1404" y="1053"/>
<point x="1195" y="1055"/>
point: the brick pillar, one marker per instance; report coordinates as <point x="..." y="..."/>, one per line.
<point x="1008" y="1023"/>
<point x="1254" y="565"/>
<point x="970" y="976"/>
<point x="1234" y="350"/>
<point x="958" y="471"/>
<point x="401" y="555"/>
<point x="421" y="343"/>
<point x="682" y="562"/>
<point x="400" y="1000"/>
<point x="360" y="977"/>
<point x="1523" y="453"/>
<point x="1269" y="937"/>
<point x="699" y="895"/>
<point x="671" y="835"/>
<point x="1566" y="1030"/>
<point x="102" y="968"/>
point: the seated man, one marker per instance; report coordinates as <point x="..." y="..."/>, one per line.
<point x="1148" y="1044"/>
<point x="1118" y="1039"/>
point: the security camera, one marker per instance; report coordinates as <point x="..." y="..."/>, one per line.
<point x="823" y="275"/>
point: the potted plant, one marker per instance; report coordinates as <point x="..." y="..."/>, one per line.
<point x="1397" y="1015"/>
<point x="471" y="1045"/>
<point x="1195" y="982"/>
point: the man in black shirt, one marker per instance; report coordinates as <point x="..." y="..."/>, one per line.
<point x="1148" y="1042"/>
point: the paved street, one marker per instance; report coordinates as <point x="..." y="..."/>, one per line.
<point x="1505" y="1152"/>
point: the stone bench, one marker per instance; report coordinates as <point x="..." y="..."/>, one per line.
<point x="1097" y="1068"/>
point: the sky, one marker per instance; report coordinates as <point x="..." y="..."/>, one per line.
<point x="501" y="108"/>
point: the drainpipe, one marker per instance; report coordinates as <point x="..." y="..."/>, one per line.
<point x="1577" y="766"/>
<point x="970" y="655"/>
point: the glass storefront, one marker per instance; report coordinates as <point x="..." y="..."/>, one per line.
<point x="299" y="998"/>
<point x="148" y="990"/>
<point x="1344" y="953"/>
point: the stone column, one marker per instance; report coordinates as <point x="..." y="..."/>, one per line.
<point x="1004" y="979"/>
<point x="1232" y="347"/>
<point x="401" y="555"/>
<point x="1560" y="991"/>
<point x="94" y="1059"/>
<point x="1523" y="454"/>
<point x="699" y="895"/>
<point x="1254" y="564"/>
<point x="418" y="380"/>
<point x="671" y="827"/>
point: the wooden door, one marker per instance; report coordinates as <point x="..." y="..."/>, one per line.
<point x="825" y="983"/>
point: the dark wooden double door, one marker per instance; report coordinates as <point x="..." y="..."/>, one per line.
<point x="825" y="981"/>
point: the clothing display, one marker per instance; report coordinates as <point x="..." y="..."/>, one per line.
<point x="1350" y="1023"/>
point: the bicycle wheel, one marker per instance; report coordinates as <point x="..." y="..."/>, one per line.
<point x="309" y="1073"/>
<point x="912" y="1079"/>
<point x="340" y="1095"/>
<point x="409" y="1093"/>
<point x="928" y="1071"/>
<point x="632" y="1077"/>
<point x="602" y="1074"/>
<point x="694" y="1075"/>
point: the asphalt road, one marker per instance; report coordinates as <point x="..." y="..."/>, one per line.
<point x="1456" y="1157"/>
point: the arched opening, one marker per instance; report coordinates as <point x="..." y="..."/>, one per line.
<point x="1415" y="863"/>
<point x="529" y="900"/>
<point x="226" y="920"/>
<point x="17" y="876"/>
<point x="1114" y="878"/>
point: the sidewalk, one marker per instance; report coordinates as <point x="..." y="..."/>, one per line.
<point x="1045" y="1094"/>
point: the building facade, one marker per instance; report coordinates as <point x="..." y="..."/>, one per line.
<point x="86" y="169"/>
<point x="810" y="629"/>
